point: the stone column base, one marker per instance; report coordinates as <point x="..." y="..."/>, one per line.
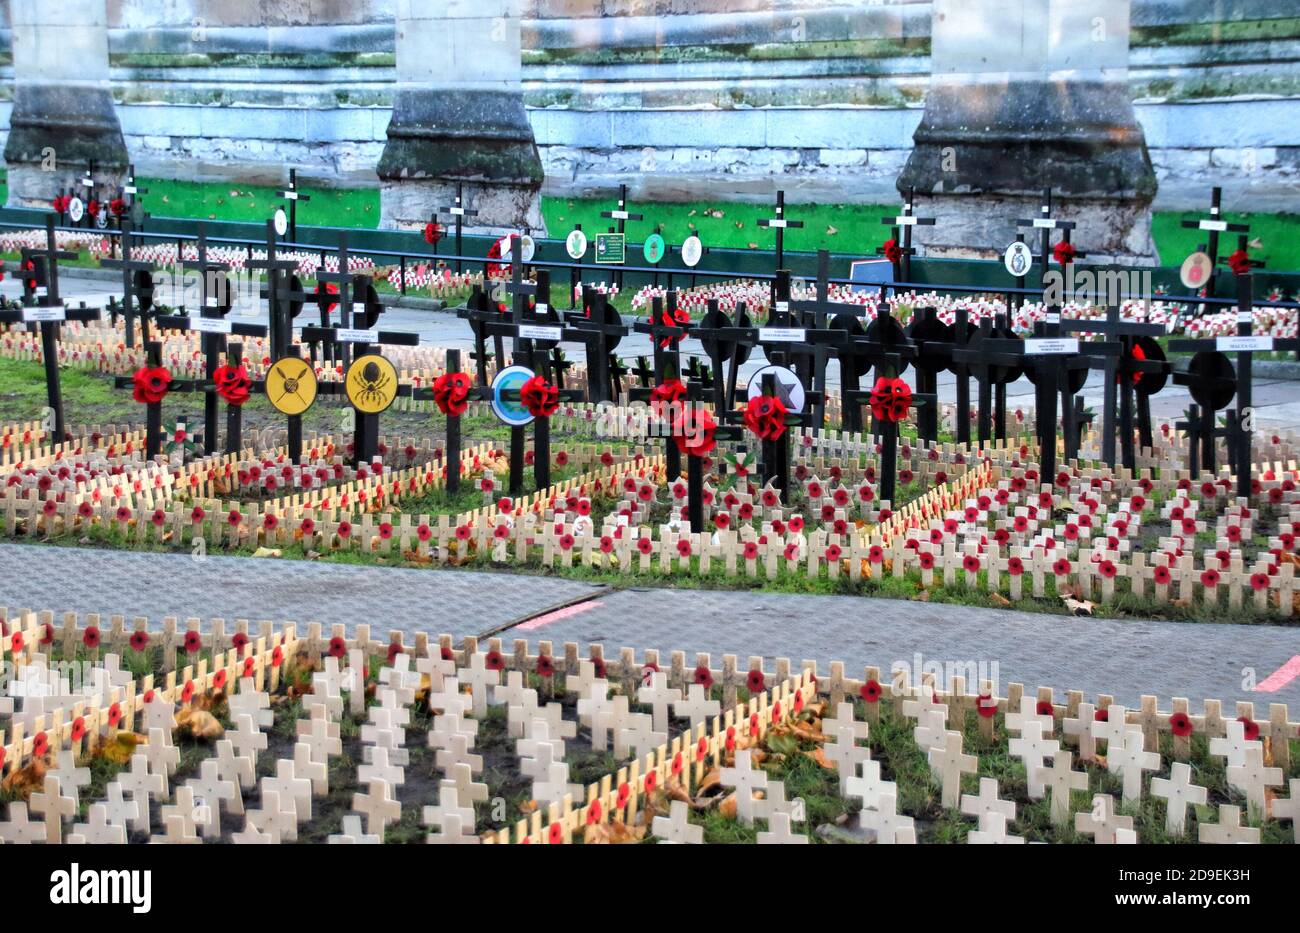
<point x="501" y="209"/>
<point x="32" y="187"/>
<point x="1110" y="231"/>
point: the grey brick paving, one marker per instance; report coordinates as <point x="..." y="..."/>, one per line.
<point x="1125" y="658"/>
<point x="68" y="579"/>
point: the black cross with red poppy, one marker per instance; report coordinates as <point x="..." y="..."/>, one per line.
<point x="458" y="211"/>
<point x="1140" y="359"/>
<point x="775" y="454"/>
<point x="904" y="222"/>
<point x="44" y="309"/>
<point x="665" y="341"/>
<point x="1245" y="345"/>
<point x="154" y="434"/>
<point x="845" y="326"/>
<point x="137" y="286"/>
<point x="452" y="455"/>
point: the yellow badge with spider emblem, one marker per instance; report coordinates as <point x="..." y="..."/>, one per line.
<point x="371" y="383"/>
<point x="291" y="385"/>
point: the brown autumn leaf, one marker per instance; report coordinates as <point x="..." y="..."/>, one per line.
<point x="121" y="747"/>
<point x="22" y="782"/>
<point x="528" y="806"/>
<point x="612" y="833"/>
<point x="728" y="807"/>
<point x="922" y="597"/>
<point x="819" y="755"/>
<point x="199" y="724"/>
<point x="1079" y="607"/>
<point x="711" y="782"/>
<point x="753" y="245"/>
<point x="998" y="599"/>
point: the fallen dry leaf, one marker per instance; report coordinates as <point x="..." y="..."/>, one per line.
<point x="22" y="782"/>
<point x="121" y="747"/>
<point x="267" y="552"/>
<point x="1079" y="607"/>
<point x="199" y="724"/>
<point x="612" y="833"/>
<point x="998" y="599"/>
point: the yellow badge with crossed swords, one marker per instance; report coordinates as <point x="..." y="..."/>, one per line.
<point x="291" y="385"/>
<point x="371" y="383"/>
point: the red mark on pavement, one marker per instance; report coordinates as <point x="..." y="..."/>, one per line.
<point x="533" y="625"/>
<point x="1280" y="677"/>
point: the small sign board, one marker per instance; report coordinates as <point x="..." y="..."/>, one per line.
<point x="1051" y="346"/>
<point x="281" y="222"/>
<point x="1243" y="344"/>
<point x="511" y="411"/>
<point x="876" y="272"/>
<point x="788" y="387"/>
<point x="782" y="335"/>
<point x="540" y="332"/>
<point x="355" y="335"/>
<point x="611" y="248"/>
<point x="40" y="313"/>
<point x="209" y="325"/>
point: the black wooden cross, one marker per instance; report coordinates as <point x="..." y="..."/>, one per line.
<point x="460" y="212"/>
<point x="1245" y="345"/>
<point x="480" y="310"/>
<point x="780" y="223"/>
<point x="988" y="374"/>
<point x="48" y="312"/>
<point x="842" y="317"/>
<point x="343" y="281"/>
<point x="905" y="222"/>
<point x="137" y="286"/>
<point x="934" y="340"/>
<point x="153" y="410"/>
<point x="279" y="300"/>
<point x="1053" y="363"/>
<point x="451" y="455"/>
<point x="784" y="336"/>
<point x="886" y="348"/>
<point x="944" y="343"/>
<point x="1213" y="225"/>
<point x="1122" y="375"/>
<point x="602" y="329"/>
<point x="1045" y="223"/>
<point x="622" y="215"/>
<point x="725" y="344"/>
<point x="774" y="458"/>
<point x="130" y="193"/>
<point x="215" y="304"/>
<point x="293" y="196"/>
<point x="665" y="341"/>
<point x="86" y="192"/>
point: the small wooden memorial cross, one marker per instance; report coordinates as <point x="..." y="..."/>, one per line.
<point x="293" y="196"/>
<point x="1245" y="345"/>
<point x="137" y="286"/>
<point x="1212" y="226"/>
<point x="780" y="223"/>
<point x="49" y="312"/>
<point x="1180" y="793"/>
<point x="905" y="222"/>
<point x="459" y="211"/>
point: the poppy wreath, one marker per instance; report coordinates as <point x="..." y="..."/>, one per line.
<point x="892" y="251"/>
<point x="92" y="207"/>
<point x="495" y="270"/>
<point x="1064" y="253"/>
<point x="451" y="393"/>
<point x="151" y="384"/>
<point x="233" y="384"/>
<point x="765" y="417"/>
<point x="432" y="233"/>
<point x="891" y="399"/>
<point x="666" y="394"/>
<point x="540" y="397"/>
<point x="117" y="207"/>
<point x="60" y="203"/>
<point x="695" y="431"/>
<point x="1239" y="262"/>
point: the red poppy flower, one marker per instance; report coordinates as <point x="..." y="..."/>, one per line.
<point x="1180" y="724"/>
<point x="16" y="642"/>
<point x="926" y="559"/>
<point x="250" y="667"/>
<point x="150" y="384"/>
<point x="764" y="417"/>
<point x="90" y="638"/>
<point x="1064" y="253"/>
<point x="233" y="384"/>
<point x="545" y="666"/>
<point x="338" y="647"/>
<point x="219" y="680"/>
<point x="40" y="745"/>
<point x="684" y="547"/>
<point x="704" y="677"/>
<point x="277" y="656"/>
<point x="78" y="729"/>
<point x="1251" y="731"/>
<point x="1209" y="578"/>
<point x="494" y="661"/>
<point x="1107" y="569"/>
<point x="986" y="705"/>
<point x="871" y="691"/>
<point x="890" y="400"/>
<point x="624" y="794"/>
<point x="598" y="666"/>
<point x="47" y="635"/>
<point x="1061" y="567"/>
<point x="970" y="563"/>
<point x="833" y="553"/>
<point x="193" y="642"/>
<point x="1161" y="575"/>
<point x="1259" y="581"/>
<point x="644" y="545"/>
<point x="187" y="693"/>
<point x="114" y="715"/>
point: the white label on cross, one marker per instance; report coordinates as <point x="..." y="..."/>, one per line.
<point x="88" y="182"/>
<point x="1053" y="317"/>
<point x="1053" y="346"/>
<point x="905" y="221"/>
<point x="358" y="307"/>
<point x="209" y="325"/>
<point x="538" y="332"/>
<point x="457" y="212"/>
<point x="777" y="222"/>
<point x="352" y="335"/>
<point x="45" y="313"/>
<point x="618" y="215"/>
<point x="543" y="308"/>
<point x="1044" y="223"/>
<point x="1243" y="344"/>
<point x="1245" y="317"/>
<point x="42" y="291"/>
<point x="1220" y="226"/>
<point x="129" y="189"/>
<point x="782" y="335"/>
<point x="289" y="195"/>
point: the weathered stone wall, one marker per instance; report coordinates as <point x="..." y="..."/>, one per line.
<point x="818" y="97"/>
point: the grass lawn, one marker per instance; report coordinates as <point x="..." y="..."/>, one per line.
<point x="846" y="226"/>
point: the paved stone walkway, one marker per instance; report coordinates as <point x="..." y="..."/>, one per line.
<point x="1125" y="658"/>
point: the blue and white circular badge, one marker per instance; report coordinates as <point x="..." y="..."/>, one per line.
<point x="512" y="411"/>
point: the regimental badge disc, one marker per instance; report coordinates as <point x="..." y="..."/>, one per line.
<point x="692" y="250"/>
<point x="788" y="387"/>
<point x="371" y="384"/>
<point x="511" y="411"/>
<point x="281" y="222"/>
<point x="291" y="385"/>
<point x="1196" y="271"/>
<point x="1018" y="258"/>
<point x="76" y="210"/>
<point x="576" y="244"/>
<point x="653" y="248"/>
